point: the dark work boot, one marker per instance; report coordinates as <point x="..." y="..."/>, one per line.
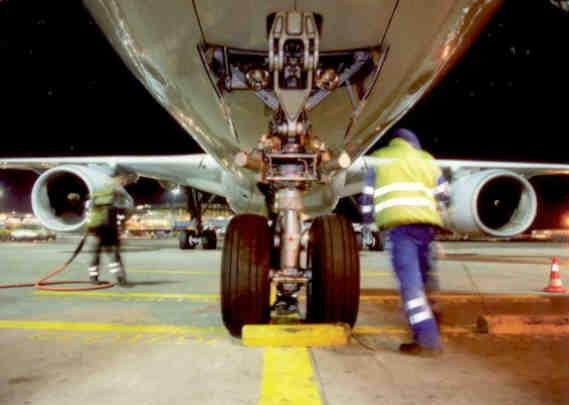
<point x="121" y="280"/>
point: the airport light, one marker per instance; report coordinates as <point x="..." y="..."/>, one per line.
<point x="176" y="191"/>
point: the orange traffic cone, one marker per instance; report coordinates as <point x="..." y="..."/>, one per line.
<point x="555" y="283"/>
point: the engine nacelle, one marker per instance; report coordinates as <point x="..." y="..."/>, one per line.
<point x="60" y="194"/>
<point x="492" y="202"/>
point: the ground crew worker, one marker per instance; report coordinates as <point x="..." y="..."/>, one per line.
<point x="405" y="191"/>
<point x="103" y="223"/>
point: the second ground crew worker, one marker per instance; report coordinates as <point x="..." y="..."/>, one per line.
<point x="405" y="191"/>
<point x="102" y="222"/>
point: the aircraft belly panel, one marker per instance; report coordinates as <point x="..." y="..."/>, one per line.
<point x="238" y="24"/>
<point x="350" y="24"/>
<point x="425" y="40"/>
<point x="158" y="42"/>
<point x="331" y="118"/>
<point x="347" y="24"/>
<point x="250" y="117"/>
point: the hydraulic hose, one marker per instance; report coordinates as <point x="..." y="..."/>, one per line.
<point x="42" y="284"/>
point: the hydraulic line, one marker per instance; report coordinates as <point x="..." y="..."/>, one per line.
<point x="42" y="284"/>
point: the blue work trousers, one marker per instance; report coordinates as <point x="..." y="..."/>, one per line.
<point x="411" y="260"/>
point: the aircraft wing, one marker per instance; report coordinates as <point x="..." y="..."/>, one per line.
<point x="198" y="170"/>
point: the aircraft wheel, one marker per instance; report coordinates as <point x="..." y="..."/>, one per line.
<point x="209" y="238"/>
<point x="245" y="285"/>
<point x="334" y="292"/>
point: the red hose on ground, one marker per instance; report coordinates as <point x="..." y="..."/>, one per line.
<point x="42" y="284"/>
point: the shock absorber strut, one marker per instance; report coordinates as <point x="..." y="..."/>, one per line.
<point x="291" y="166"/>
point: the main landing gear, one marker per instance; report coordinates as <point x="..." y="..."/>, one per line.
<point x="190" y="239"/>
<point x="330" y="278"/>
<point x="283" y="254"/>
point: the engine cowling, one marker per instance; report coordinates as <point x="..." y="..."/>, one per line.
<point x="493" y="202"/>
<point x="60" y="194"/>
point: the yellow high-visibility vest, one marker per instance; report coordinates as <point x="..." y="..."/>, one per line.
<point x="98" y="214"/>
<point x="404" y="187"/>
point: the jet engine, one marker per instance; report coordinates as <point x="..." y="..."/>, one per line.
<point x="492" y="202"/>
<point x="60" y="194"/>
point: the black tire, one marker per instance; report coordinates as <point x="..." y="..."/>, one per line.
<point x="334" y="292"/>
<point x="209" y="238"/>
<point x="183" y="240"/>
<point x="245" y="285"/>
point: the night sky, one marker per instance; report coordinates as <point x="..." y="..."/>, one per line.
<point x="65" y="92"/>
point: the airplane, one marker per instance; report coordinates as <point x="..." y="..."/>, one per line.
<point x="286" y="97"/>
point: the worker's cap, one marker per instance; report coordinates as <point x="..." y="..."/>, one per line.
<point x="408" y="136"/>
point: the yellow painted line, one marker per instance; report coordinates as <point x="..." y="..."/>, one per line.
<point x="398" y="330"/>
<point x="288" y="378"/>
<point x="296" y="335"/>
<point x="186" y="297"/>
<point x="139" y="329"/>
<point x="108" y="327"/>
<point x="379" y="330"/>
<point x="186" y="273"/>
<point x="122" y="338"/>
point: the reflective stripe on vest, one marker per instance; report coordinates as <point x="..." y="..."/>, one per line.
<point x="405" y="202"/>
<point x="402" y="187"/>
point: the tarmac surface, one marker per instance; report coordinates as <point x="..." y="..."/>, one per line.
<point x="160" y="340"/>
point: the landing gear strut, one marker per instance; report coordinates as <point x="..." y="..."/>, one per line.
<point x="323" y="262"/>
<point x="190" y="239"/>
